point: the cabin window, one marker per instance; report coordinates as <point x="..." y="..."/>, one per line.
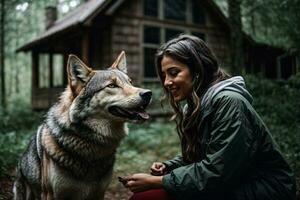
<point x="198" y="13"/>
<point x="175" y="9"/>
<point x="58" y="70"/>
<point x="151" y="8"/>
<point x="191" y="11"/>
<point x="152" y="40"/>
<point x="44" y="71"/>
<point x="149" y="70"/>
<point x="172" y="33"/>
<point x="151" y="35"/>
<point x="199" y="35"/>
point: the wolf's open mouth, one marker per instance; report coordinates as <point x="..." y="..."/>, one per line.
<point x="138" y="113"/>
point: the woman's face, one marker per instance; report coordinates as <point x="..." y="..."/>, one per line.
<point x="177" y="78"/>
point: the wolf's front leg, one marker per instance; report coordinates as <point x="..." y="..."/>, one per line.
<point x="47" y="190"/>
<point x="47" y="196"/>
<point x="19" y="189"/>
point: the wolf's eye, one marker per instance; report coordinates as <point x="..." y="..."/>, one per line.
<point x="112" y="85"/>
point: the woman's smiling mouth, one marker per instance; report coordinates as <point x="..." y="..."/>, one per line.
<point x="174" y="91"/>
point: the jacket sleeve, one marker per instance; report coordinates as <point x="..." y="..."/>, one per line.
<point x="227" y="155"/>
<point x="174" y="163"/>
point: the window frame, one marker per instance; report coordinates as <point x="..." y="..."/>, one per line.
<point x="187" y="26"/>
<point x="46" y="74"/>
<point x="144" y="45"/>
<point x="188" y="13"/>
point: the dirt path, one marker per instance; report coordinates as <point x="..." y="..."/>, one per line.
<point x="117" y="192"/>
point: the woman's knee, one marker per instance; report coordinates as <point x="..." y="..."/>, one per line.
<point x="157" y="194"/>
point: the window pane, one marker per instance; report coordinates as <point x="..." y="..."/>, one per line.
<point x="44" y="71"/>
<point x="175" y="9"/>
<point x="172" y="33"/>
<point x="151" y="35"/>
<point x="198" y="13"/>
<point x="199" y="35"/>
<point x="151" y="8"/>
<point x="149" y="70"/>
<point x="58" y="70"/>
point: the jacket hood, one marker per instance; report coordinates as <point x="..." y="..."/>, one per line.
<point x="235" y="84"/>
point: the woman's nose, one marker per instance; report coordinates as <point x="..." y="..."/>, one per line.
<point x="168" y="82"/>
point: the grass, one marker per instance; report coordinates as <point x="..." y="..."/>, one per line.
<point x="152" y="141"/>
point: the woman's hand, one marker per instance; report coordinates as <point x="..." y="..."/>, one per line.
<point x="142" y="182"/>
<point x="158" y="169"/>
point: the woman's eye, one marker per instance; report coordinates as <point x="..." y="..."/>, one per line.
<point x="173" y="72"/>
<point x="112" y="85"/>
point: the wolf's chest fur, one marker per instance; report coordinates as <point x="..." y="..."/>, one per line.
<point x="77" y="159"/>
<point x="85" y="151"/>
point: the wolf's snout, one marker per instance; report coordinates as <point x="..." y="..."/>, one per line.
<point x="146" y="95"/>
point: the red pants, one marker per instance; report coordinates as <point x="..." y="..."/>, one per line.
<point x="157" y="194"/>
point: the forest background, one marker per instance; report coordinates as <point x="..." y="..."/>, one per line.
<point x="274" y="22"/>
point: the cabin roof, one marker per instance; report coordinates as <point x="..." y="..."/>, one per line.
<point x="84" y="13"/>
<point x="79" y="16"/>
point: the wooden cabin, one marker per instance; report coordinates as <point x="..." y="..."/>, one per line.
<point x="98" y="30"/>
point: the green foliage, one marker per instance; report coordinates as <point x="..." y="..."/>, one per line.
<point x="262" y="21"/>
<point x="294" y="81"/>
<point x="155" y="140"/>
<point x="274" y="22"/>
<point x="17" y="124"/>
<point x="18" y="116"/>
<point x="12" y="145"/>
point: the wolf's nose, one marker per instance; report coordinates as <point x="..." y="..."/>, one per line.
<point x="146" y="95"/>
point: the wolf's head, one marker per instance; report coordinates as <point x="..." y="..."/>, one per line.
<point x="105" y="94"/>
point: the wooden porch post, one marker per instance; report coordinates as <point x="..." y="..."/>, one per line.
<point x="65" y="73"/>
<point x="85" y="46"/>
<point x="51" y="70"/>
<point x="35" y="71"/>
<point x="35" y="77"/>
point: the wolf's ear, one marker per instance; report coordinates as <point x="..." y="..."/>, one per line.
<point x="78" y="72"/>
<point x="120" y="63"/>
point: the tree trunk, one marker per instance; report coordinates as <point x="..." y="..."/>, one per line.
<point x="17" y="67"/>
<point x="236" y="40"/>
<point x="2" y="55"/>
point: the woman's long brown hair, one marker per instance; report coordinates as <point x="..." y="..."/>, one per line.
<point x="204" y="68"/>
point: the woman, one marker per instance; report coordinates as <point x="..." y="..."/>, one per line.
<point x="227" y="151"/>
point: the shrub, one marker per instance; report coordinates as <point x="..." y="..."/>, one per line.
<point x="155" y="140"/>
<point x="18" y="116"/>
<point x="17" y="123"/>
<point x="12" y="145"/>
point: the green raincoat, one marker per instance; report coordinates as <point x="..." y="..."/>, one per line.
<point x="240" y="159"/>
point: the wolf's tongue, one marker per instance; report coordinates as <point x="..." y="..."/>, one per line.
<point x="143" y="114"/>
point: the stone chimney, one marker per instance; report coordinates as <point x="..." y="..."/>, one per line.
<point x="51" y="16"/>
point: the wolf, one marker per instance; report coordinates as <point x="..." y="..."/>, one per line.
<point x="73" y="152"/>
